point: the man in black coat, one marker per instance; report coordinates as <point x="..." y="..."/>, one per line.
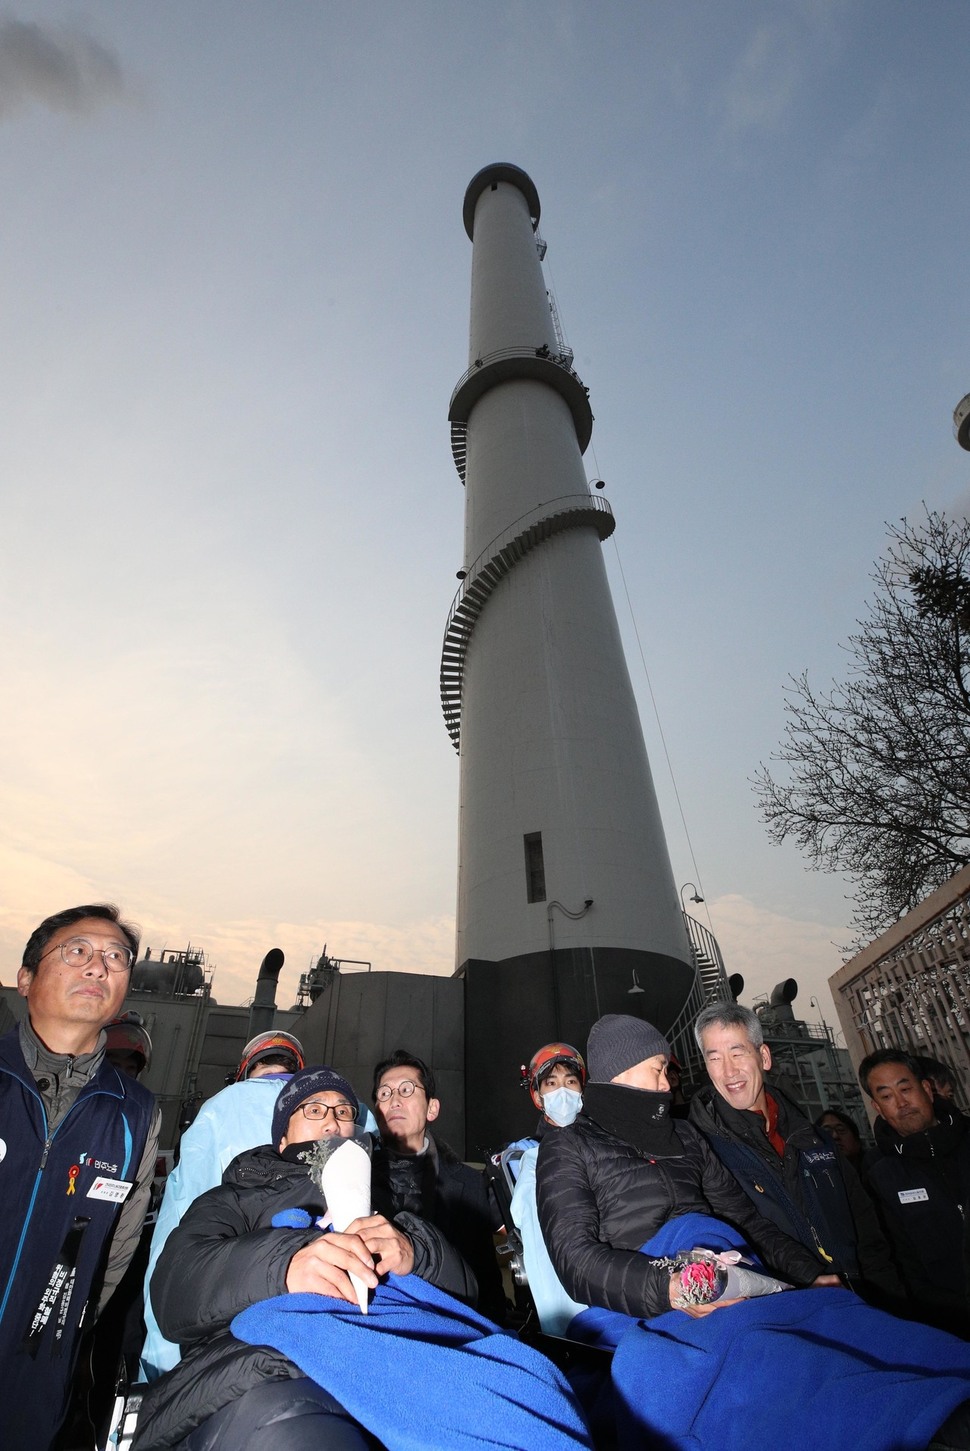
<point x="921" y="1181"/>
<point x="228" y="1254"/>
<point x="611" y="1180"/>
<point x="421" y="1174"/>
<point x="624" y="1171"/>
<point x="791" y="1173"/>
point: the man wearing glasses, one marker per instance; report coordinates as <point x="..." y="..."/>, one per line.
<point x="423" y="1175"/>
<point x="78" y="1143"/>
<point x="257" y="1236"/>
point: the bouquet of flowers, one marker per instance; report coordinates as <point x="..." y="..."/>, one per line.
<point x="707" y="1276"/>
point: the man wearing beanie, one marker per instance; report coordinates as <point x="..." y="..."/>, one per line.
<point x="611" y="1180"/>
<point x="231" y="1251"/>
<point x="628" y="1196"/>
<point x="237" y="1118"/>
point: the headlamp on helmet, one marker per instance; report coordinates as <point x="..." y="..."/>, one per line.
<point x="270" y="1045"/>
<point x="544" y="1060"/>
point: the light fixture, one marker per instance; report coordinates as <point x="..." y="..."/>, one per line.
<point x="695" y="898"/>
<point x="636" y="988"/>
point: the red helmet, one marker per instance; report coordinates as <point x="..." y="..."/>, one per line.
<point x="268" y="1045"/>
<point x="544" y="1059"/>
<point x="128" y="1034"/>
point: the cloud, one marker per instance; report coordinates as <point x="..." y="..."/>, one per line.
<point x="763" y="84"/>
<point x="32" y="891"/>
<point x="766" y="947"/>
<point x="36" y="886"/>
<point x="55" y="66"/>
<point x="236" y="948"/>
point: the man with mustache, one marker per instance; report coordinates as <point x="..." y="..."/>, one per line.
<point x="78" y="1142"/>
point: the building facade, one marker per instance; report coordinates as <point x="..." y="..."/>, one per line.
<point x="910" y="988"/>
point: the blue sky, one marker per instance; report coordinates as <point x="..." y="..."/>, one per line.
<point x="234" y="302"/>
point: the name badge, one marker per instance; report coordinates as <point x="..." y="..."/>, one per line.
<point x="913" y="1196"/>
<point x="114" y="1190"/>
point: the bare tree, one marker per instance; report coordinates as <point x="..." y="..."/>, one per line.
<point x="878" y="779"/>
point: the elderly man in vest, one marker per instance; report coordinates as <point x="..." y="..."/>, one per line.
<point x="792" y="1174"/>
<point x="78" y="1142"/>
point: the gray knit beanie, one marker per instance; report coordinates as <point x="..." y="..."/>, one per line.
<point x="617" y="1042"/>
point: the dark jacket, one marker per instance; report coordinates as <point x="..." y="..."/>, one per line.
<point x="226" y="1255"/>
<point x="921" y="1184"/>
<point x="600" y="1199"/>
<point x="811" y="1192"/>
<point x="56" y="1229"/>
<point x="439" y="1187"/>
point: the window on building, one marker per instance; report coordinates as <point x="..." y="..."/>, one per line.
<point x="535" y="871"/>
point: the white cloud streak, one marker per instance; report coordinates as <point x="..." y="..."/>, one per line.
<point x="760" y="91"/>
<point x="766" y="947"/>
<point x="55" y="66"/>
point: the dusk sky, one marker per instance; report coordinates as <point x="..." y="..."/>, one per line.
<point x="234" y="289"/>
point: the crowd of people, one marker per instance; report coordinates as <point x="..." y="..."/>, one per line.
<point x="729" y="1265"/>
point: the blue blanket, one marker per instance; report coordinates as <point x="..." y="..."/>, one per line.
<point x="805" y="1370"/>
<point x="421" y="1371"/>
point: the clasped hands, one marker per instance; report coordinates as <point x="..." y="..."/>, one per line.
<point x="368" y="1247"/>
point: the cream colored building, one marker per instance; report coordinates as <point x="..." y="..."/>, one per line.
<point x="911" y="987"/>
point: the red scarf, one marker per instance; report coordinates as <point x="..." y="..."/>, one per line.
<point x="771" y="1125"/>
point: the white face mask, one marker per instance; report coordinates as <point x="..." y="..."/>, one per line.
<point x="562" y="1106"/>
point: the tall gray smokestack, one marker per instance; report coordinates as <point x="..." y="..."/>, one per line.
<point x="566" y="898"/>
<point x="262" y="1012"/>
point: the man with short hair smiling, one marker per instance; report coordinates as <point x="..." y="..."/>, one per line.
<point x="78" y="1143"/>
<point x="790" y="1172"/>
<point x="423" y="1175"/>
<point x="610" y="1180"/>
<point x="625" y="1192"/>
<point x="921" y="1182"/>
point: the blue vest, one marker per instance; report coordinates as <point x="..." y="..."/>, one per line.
<point x="56" y="1222"/>
<point x="822" y="1220"/>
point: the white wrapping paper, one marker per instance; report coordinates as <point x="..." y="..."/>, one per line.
<point x="345" y="1181"/>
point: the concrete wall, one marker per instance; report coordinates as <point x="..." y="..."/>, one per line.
<point x="363" y="1017"/>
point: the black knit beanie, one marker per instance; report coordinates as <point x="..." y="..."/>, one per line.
<point x="617" y="1042"/>
<point x="302" y="1086"/>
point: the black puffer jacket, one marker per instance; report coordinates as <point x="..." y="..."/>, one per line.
<point x="922" y="1188"/>
<point x="439" y="1187"/>
<point x="600" y="1199"/>
<point x="226" y="1255"/>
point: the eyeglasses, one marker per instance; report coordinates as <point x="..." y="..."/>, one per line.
<point x="78" y="952"/>
<point x="344" y="1113"/>
<point x="404" y="1089"/>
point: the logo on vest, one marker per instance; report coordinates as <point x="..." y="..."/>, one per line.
<point x="100" y="1164"/>
<point x="72" y="1174"/>
<point x="3" y="1150"/>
